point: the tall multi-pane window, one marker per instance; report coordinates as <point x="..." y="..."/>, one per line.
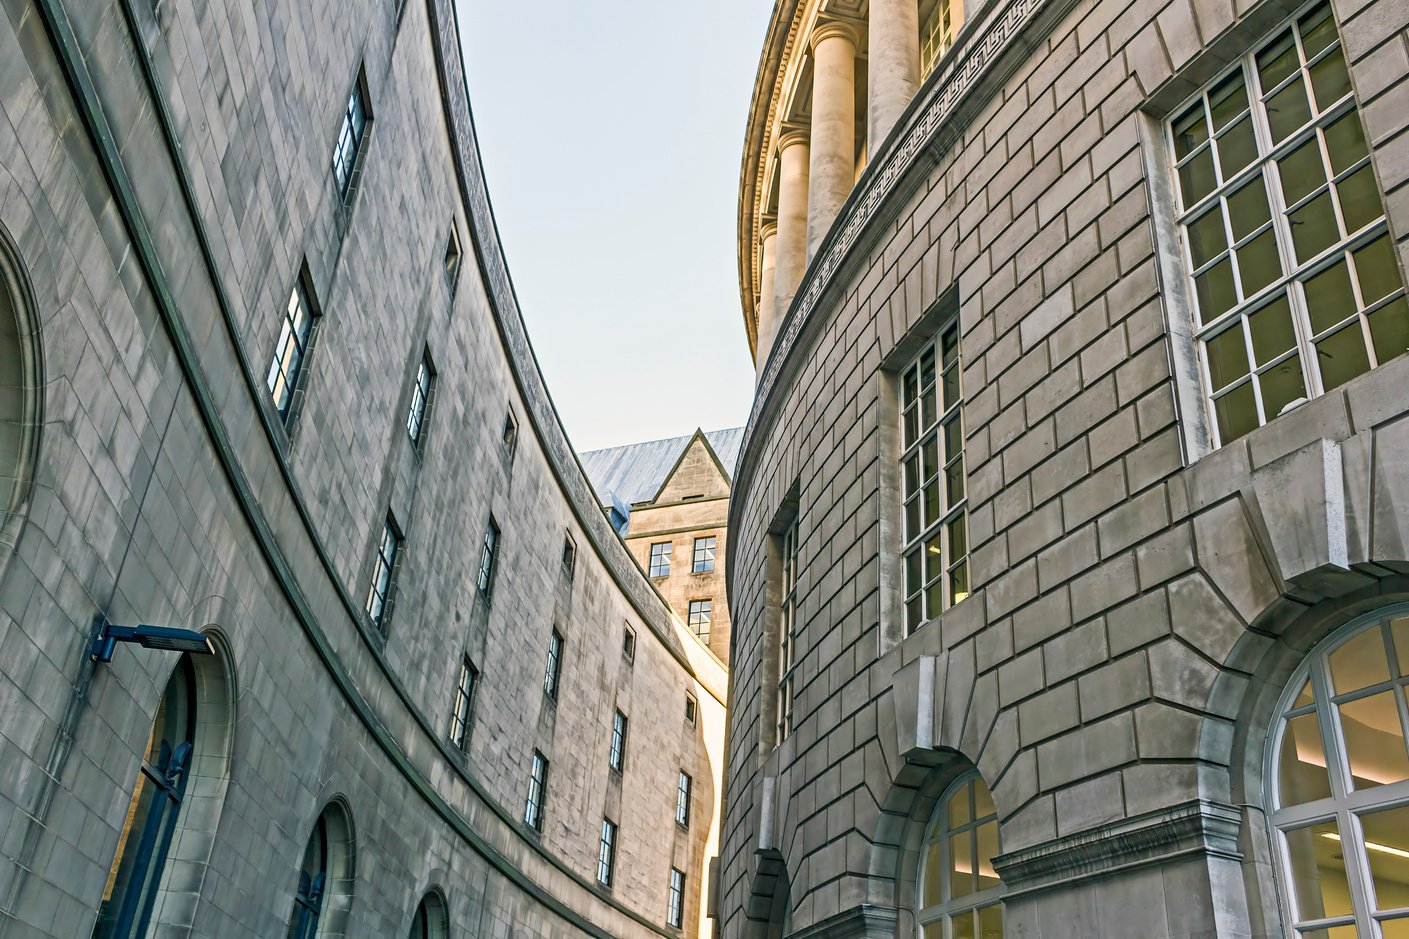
<point x="420" y="400"/>
<point x="939" y="24"/>
<point x="537" y="792"/>
<point x="553" y="672"/>
<point x="606" y="853"/>
<point x="932" y="468"/>
<point x="617" y="758"/>
<point x="704" y="555"/>
<point x="1296" y="289"/>
<point x="787" y="625"/>
<point x="675" y="909"/>
<point x="383" y="574"/>
<point x="464" y="703"/>
<point x="959" y="890"/>
<point x="1338" y="782"/>
<point x="350" y="137"/>
<point x="682" y="800"/>
<point x="660" y="559"/>
<point x="699" y="616"/>
<point x="291" y="351"/>
<point x="486" y="558"/>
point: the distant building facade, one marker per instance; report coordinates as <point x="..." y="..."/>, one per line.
<point x="264" y="378"/>
<point x="1068" y="547"/>
<point x="669" y="500"/>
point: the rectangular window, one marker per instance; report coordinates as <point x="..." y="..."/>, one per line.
<point x="569" y="555"/>
<point x="486" y="560"/>
<point x="787" y="623"/>
<point x="682" y="800"/>
<point x="699" y="618"/>
<point x="420" y="400"/>
<point x="286" y="371"/>
<point x="936" y="519"/>
<point x="452" y="258"/>
<point x="350" y="137"/>
<point x="704" y="555"/>
<point x="628" y="643"/>
<point x="690" y="706"/>
<point x="379" y="594"/>
<point x="939" y="24"/>
<point x="555" y="665"/>
<point x="675" y="914"/>
<point x="606" y="853"/>
<point x="1296" y="289"/>
<point x="537" y="792"/>
<point x="617" y="759"/>
<point x="511" y="436"/>
<point x="464" y="703"/>
<point x="660" y="559"/>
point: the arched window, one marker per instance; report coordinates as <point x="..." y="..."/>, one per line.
<point x="136" y="873"/>
<point x="1338" y="781"/>
<point x="959" y="891"/>
<point x="21" y="397"/>
<point x="324" y="878"/>
<point x="431" y="920"/>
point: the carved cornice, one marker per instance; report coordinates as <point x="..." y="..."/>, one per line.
<point x="1198" y="827"/>
<point x="861" y="922"/>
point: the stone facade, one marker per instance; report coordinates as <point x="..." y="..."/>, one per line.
<point x="1144" y="578"/>
<point x="167" y="175"/>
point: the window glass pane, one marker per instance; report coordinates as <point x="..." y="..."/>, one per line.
<point x="931" y="504"/>
<point x="983" y="801"/>
<point x="934" y="930"/>
<point x="987" y="851"/>
<point x="959" y="582"/>
<point x="1376" y="269"/>
<point x="990" y="922"/>
<point x="962" y="926"/>
<point x="1227" y="100"/>
<point x="1227" y="357"/>
<point x="1328" y="297"/>
<point x="1236" y="412"/>
<point x="1301" y="771"/>
<point x="1359" y="662"/>
<point x="961" y="865"/>
<point x="954" y="488"/>
<point x="1276" y="62"/>
<point x="1396" y="928"/>
<point x="1336" y="932"/>
<point x="1329" y="79"/>
<point x="1206" y="237"/>
<point x="1389" y="328"/>
<point x="1318" y="871"/>
<point x="934" y="873"/>
<point x="951" y="387"/>
<point x="1196" y="177"/>
<point x="1288" y="109"/>
<point x="1342" y="356"/>
<point x="1302" y="171"/>
<point x="1345" y="142"/>
<point x="1271" y="329"/>
<point x="1258" y="263"/>
<point x="1314" y="227"/>
<point x="1374" y="740"/>
<point x="1247" y="208"/>
<point x="1190" y="130"/>
<point x="1281" y="385"/>
<point x="1317" y="30"/>
<point x="958" y="537"/>
<point x="1387" y="850"/>
<point x="1214" y="288"/>
<point x="1360" y="199"/>
<point x="1399" y="628"/>
<point x="958" y="812"/>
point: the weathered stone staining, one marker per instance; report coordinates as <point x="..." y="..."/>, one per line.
<point x="417" y="610"/>
<point x="1151" y="591"/>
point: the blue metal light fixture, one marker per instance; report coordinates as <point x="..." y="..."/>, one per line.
<point x="167" y="638"/>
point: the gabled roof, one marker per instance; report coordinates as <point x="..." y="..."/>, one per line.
<point x="636" y="472"/>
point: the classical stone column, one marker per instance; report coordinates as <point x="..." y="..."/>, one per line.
<point x="767" y="309"/>
<point x="893" y="65"/>
<point x="791" y="240"/>
<point x="833" y="145"/>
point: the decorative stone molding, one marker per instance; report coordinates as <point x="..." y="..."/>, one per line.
<point x="862" y="922"/>
<point x="1190" y="829"/>
<point x="829" y="28"/>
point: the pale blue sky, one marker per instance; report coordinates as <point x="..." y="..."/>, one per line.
<point x="611" y="132"/>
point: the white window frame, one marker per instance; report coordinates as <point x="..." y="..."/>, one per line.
<point x="938" y="831"/>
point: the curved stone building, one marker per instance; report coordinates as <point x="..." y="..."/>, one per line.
<point x="265" y="383"/>
<point x="1069" y="562"/>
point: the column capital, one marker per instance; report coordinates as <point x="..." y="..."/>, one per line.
<point x="834" y="28"/>
<point x="790" y="134"/>
<point x="767" y="228"/>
